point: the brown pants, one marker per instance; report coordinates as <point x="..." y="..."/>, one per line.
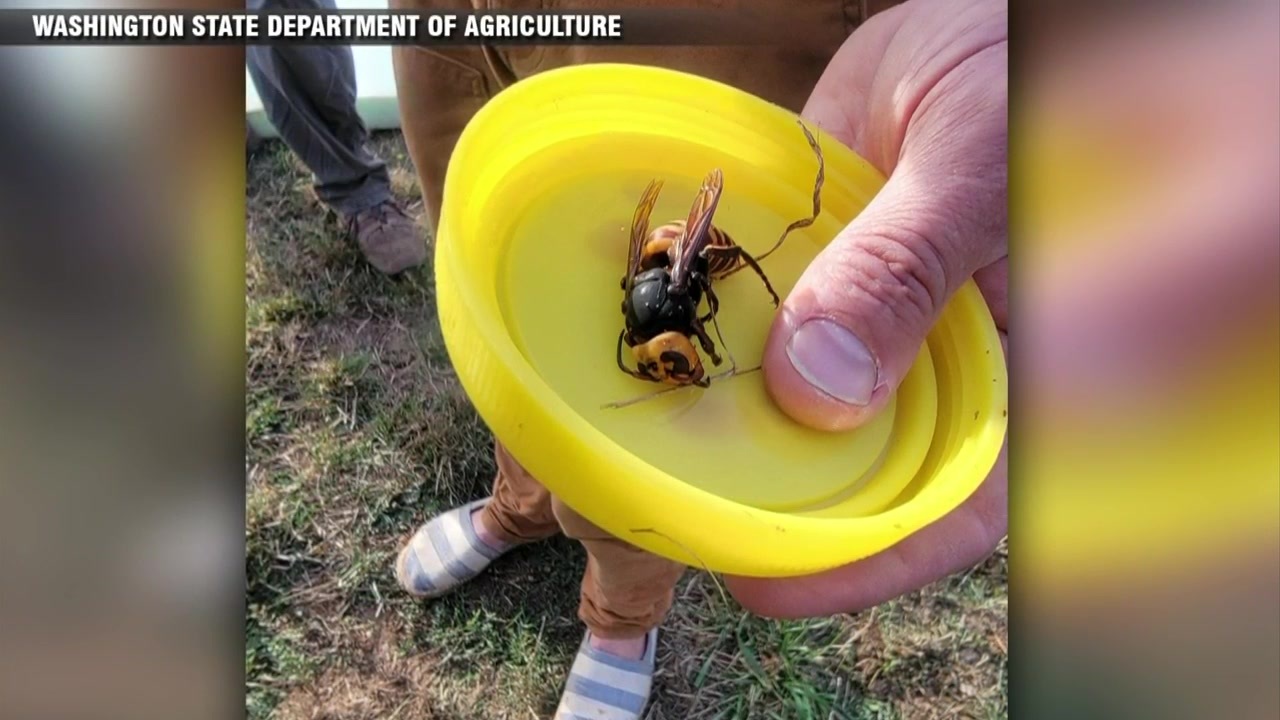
<point x="626" y="591"/>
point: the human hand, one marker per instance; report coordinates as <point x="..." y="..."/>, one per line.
<point x="921" y="92"/>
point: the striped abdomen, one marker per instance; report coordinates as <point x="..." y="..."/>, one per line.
<point x="664" y="236"/>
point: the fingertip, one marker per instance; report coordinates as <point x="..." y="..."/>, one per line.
<point x="754" y="595"/>
<point x="788" y="600"/>
<point x="794" y="393"/>
<point x="846" y="589"/>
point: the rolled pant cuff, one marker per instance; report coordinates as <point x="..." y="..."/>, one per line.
<point x="349" y="203"/>
<point x="514" y="529"/>
<point x="622" y="621"/>
<point x="613" y="632"/>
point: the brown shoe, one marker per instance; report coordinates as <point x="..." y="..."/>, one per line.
<point x="388" y="237"/>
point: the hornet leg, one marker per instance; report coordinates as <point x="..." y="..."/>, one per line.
<point x="713" y="303"/>
<point x="633" y="373"/>
<point x="817" y="194"/>
<point x="736" y="253"/>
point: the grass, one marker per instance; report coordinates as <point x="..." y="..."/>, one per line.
<point x="357" y="431"/>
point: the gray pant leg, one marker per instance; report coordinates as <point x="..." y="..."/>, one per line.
<point x="309" y="93"/>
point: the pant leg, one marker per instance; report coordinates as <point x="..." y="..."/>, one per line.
<point x="309" y="93"/>
<point x="439" y="90"/>
<point x="626" y="591"/>
<point x="520" y="511"/>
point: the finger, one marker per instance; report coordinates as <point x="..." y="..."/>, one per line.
<point x="842" y="99"/>
<point x="993" y="283"/>
<point x="960" y="540"/>
<point x="957" y="542"/>
<point x="855" y="321"/>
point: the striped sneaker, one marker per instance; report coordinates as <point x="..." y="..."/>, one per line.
<point x="605" y="687"/>
<point x="444" y="553"/>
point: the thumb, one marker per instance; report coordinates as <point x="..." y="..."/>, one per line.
<point x="855" y="321"/>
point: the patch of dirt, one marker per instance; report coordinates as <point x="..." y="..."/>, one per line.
<point x="386" y="685"/>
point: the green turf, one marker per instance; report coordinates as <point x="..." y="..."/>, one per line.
<point x="357" y="432"/>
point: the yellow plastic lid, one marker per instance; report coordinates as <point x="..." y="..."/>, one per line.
<point x="530" y="250"/>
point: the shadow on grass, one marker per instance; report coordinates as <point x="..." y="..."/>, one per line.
<point x="520" y="618"/>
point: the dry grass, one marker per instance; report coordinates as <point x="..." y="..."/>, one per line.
<point x="357" y="432"/>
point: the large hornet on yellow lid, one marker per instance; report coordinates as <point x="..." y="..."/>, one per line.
<point x="669" y="272"/>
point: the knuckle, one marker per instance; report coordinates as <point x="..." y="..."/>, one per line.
<point x="915" y="262"/>
<point x="898" y="271"/>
